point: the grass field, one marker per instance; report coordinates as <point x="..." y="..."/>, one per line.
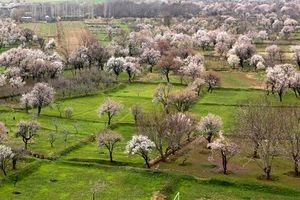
<point x="73" y="181"/>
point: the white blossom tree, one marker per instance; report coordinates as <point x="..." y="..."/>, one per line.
<point x="10" y="33"/>
<point x="140" y="145"/>
<point x="296" y="54"/>
<point x="32" y="63"/>
<point x="193" y="70"/>
<point x="26" y="101"/>
<point x="3" y="80"/>
<point x="279" y="78"/>
<point x="41" y="95"/>
<point x="115" y="65"/>
<point x="110" y="108"/>
<point x="257" y="61"/>
<point x="6" y="155"/>
<point x="202" y="39"/>
<point x="131" y="66"/>
<point x="233" y="60"/>
<point x="79" y="58"/>
<point x="151" y="57"/>
<point x="243" y="49"/>
<point x="274" y="54"/>
<point x="210" y="126"/>
<point x="3" y="132"/>
<point x="197" y="85"/>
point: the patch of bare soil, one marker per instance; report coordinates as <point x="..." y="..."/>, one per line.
<point x="158" y="196"/>
<point x="256" y="83"/>
<point x="72" y="36"/>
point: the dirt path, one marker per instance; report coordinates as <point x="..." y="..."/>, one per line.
<point x="72" y="35"/>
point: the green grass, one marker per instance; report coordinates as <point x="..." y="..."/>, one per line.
<point x="74" y="181"/>
<point x="92" y="153"/>
<point x="44" y="29"/>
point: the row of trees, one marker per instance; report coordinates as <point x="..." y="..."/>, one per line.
<point x="272" y="131"/>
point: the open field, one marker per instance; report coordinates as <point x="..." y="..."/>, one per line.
<point x="43" y="29"/>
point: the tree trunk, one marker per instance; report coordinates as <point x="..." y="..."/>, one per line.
<point x="242" y="63"/>
<point x="109" y="119"/>
<point x="4" y="172"/>
<point x="151" y="69"/>
<point x="255" y="154"/>
<point x="209" y="88"/>
<point x="129" y="77"/>
<point x="280" y="96"/>
<point x="167" y="76"/>
<point x="14" y="163"/>
<point x="295" y="92"/>
<point x="209" y="137"/>
<point x="296" y="167"/>
<point x="39" y="110"/>
<point x="25" y="145"/>
<point x="135" y="119"/>
<point x="224" y="162"/>
<point x="146" y="161"/>
<point x="111" y="156"/>
<point x="267" y="170"/>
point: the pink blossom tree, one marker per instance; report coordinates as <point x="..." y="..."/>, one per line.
<point x="108" y="139"/>
<point x="226" y="148"/>
<point x="110" y="108"/>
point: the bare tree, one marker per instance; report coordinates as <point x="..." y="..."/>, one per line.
<point x="108" y="139"/>
<point x="136" y="112"/>
<point x="166" y="65"/>
<point x="183" y="100"/>
<point x="162" y="95"/>
<point x="27" y="130"/>
<point x="178" y="126"/>
<point x="51" y="138"/>
<point x="291" y="130"/>
<point x="154" y="126"/>
<point x="212" y="80"/>
<point x="260" y="122"/>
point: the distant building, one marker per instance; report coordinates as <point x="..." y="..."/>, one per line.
<point x="26" y="19"/>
